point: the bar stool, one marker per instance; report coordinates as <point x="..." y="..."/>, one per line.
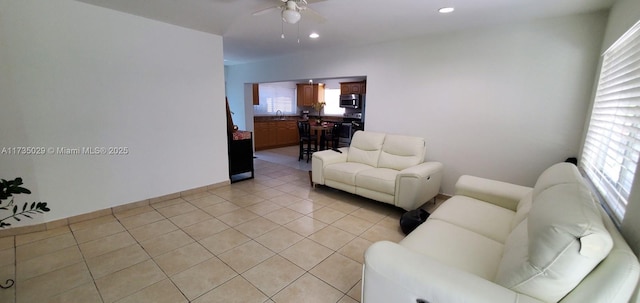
<point x="304" y="131"/>
<point x="332" y="136"/>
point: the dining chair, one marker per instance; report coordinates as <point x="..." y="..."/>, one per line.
<point x="331" y="136"/>
<point x="306" y="137"/>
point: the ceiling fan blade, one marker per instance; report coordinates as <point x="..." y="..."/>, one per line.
<point x="314" y="1"/>
<point x="266" y="10"/>
<point x="314" y="15"/>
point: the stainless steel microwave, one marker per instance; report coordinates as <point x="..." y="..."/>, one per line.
<point x="350" y="101"/>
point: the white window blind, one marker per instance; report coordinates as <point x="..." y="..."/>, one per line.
<point x="332" y="98"/>
<point x="612" y="145"/>
<point x="274" y="98"/>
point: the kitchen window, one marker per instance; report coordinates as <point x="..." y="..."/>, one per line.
<point x="612" y="144"/>
<point x="274" y="97"/>
<point x="332" y="100"/>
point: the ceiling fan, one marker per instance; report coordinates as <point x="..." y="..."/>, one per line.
<point x="291" y="9"/>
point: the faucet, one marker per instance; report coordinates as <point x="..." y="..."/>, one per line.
<point x="280" y="115"/>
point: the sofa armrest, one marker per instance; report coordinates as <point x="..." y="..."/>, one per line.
<point x="503" y="194"/>
<point x="422" y="170"/>
<point x="417" y="184"/>
<point x="392" y="273"/>
<point x="321" y="159"/>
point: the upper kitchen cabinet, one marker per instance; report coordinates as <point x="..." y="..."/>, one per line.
<point x="256" y="94"/>
<point x="353" y="88"/>
<point x="310" y="94"/>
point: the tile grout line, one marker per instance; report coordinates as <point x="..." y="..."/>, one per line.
<point x="309" y="271"/>
<point x="253" y="239"/>
<point x="14" y="286"/>
<point x="292" y="188"/>
<point x="152" y="258"/>
<point x="233" y="227"/>
<point x="84" y="259"/>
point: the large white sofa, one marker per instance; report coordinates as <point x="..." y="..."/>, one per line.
<point x="498" y="242"/>
<point x="383" y="167"/>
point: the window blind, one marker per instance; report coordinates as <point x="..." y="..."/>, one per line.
<point x="332" y="98"/>
<point x="612" y="144"/>
<point x="274" y="98"/>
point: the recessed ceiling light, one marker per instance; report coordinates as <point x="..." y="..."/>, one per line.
<point x="446" y="10"/>
<point x="314" y="36"/>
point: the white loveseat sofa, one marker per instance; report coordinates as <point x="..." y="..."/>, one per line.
<point x="498" y="242"/>
<point x="383" y="167"/>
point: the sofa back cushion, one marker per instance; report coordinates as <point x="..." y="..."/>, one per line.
<point x="562" y="239"/>
<point x="400" y="152"/>
<point x="365" y="148"/>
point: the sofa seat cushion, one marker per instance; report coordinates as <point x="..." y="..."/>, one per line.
<point x="456" y="246"/>
<point x="378" y="179"/>
<point x="487" y="219"/>
<point x="344" y="172"/>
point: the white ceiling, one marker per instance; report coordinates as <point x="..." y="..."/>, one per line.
<point x="348" y="23"/>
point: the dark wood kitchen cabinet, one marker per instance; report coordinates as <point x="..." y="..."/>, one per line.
<point x="256" y="94"/>
<point x="310" y="94"/>
<point x="277" y="133"/>
<point x="287" y="133"/>
<point x="264" y="134"/>
<point x="353" y="87"/>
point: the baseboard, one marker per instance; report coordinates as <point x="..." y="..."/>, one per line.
<point x="20" y="230"/>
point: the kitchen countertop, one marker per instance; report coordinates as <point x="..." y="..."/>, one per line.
<point x="275" y="118"/>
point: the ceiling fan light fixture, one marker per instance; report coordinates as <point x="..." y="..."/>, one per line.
<point x="290" y="16"/>
<point x="314" y="36"/>
<point x="446" y="10"/>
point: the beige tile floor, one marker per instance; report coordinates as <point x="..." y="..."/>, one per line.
<point x="269" y="239"/>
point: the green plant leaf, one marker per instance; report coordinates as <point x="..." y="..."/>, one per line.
<point x="10" y="187"/>
<point x="44" y="207"/>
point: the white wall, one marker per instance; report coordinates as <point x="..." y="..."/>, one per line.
<point x="77" y="75"/>
<point x="503" y="102"/>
